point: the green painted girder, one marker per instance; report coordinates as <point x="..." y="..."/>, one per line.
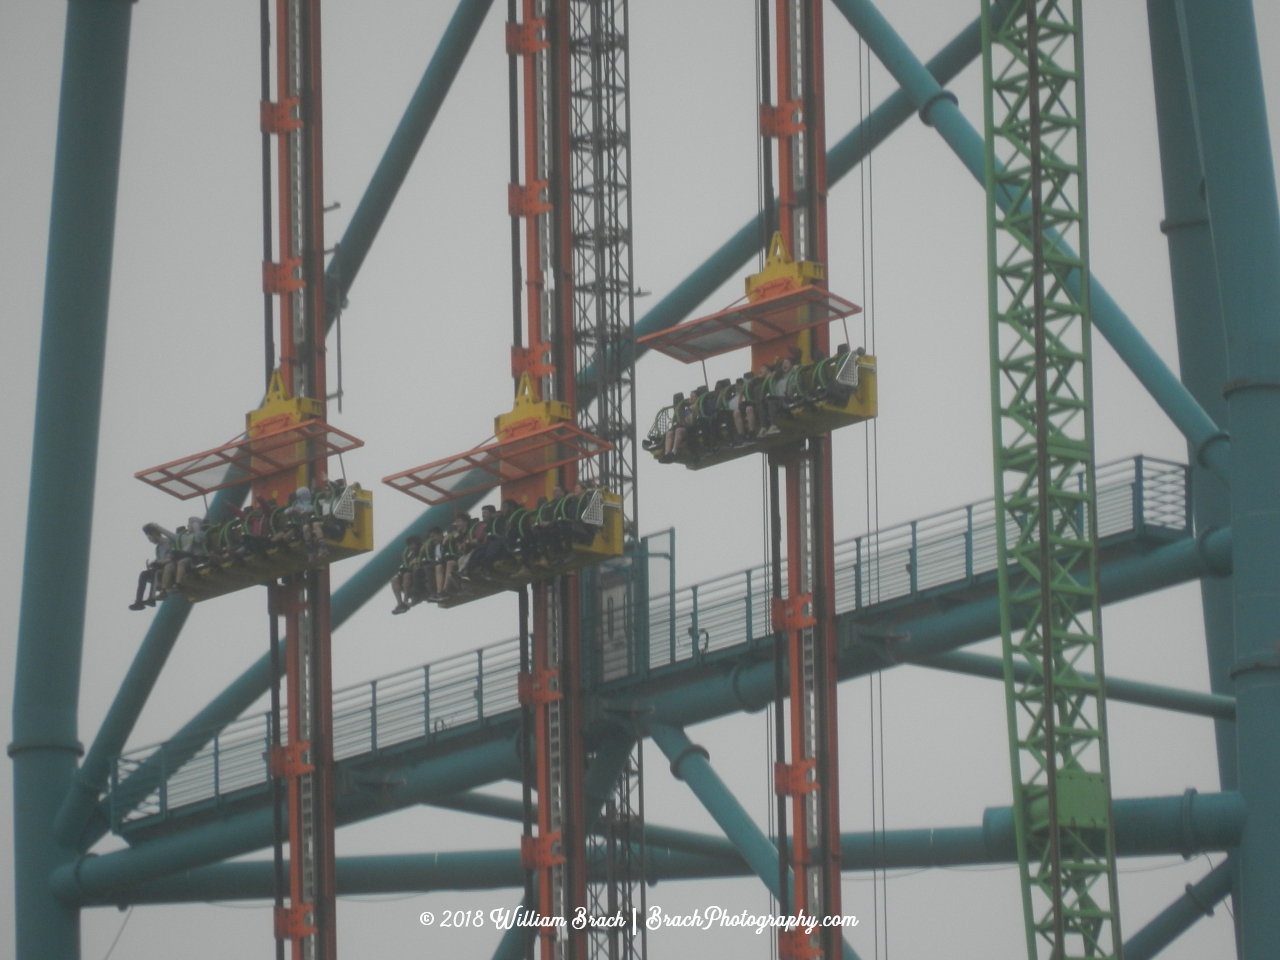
<point x="1044" y="475"/>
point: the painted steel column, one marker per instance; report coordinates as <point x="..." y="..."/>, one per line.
<point x="1202" y="343"/>
<point x="63" y="464"/>
<point x="1221" y="46"/>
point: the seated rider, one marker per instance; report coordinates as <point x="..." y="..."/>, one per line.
<point x="163" y="541"/>
<point x="455" y="547"/>
<point x="402" y="584"/>
<point x="492" y="547"/>
<point x="190" y="549"/>
<point x="303" y="516"/>
<point x="682" y="413"/>
<point x="431" y="569"/>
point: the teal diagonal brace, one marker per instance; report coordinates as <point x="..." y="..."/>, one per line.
<point x="670" y="310"/>
<point x="938" y="109"/>
<point x="76" y="824"/>
<point x="1177" y="918"/>
<point x="691" y="764"/>
<point x="403" y="149"/>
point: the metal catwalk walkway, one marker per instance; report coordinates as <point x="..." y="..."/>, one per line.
<point x="904" y="572"/>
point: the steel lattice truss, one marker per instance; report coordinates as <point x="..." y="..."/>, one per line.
<point x="604" y="337"/>
<point x="615" y="854"/>
<point x="1044" y="473"/>
<point x="600" y="170"/>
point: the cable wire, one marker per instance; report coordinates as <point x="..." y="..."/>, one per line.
<point x="112" y="949"/>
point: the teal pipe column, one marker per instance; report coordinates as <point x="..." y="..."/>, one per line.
<point x="1221" y="48"/>
<point x="1202" y="339"/>
<point x="938" y="109"/>
<point x="64" y="459"/>
<point x="691" y="764"/>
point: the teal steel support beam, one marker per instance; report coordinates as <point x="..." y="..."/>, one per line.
<point x="1202" y="339"/>
<point x="938" y="109"/>
<point x="692" y="764"/>
<point x="1177" y="918"/>
<point x="94" y="877"/>
<point x="64" y="459"/>
<point x="503" y="808"/>
<point x="1221" y="48"/>
<point x="1218" y="706"/>
<point x="77" y="823"/>
<point x="670" y="310"/>
<point x="1151" y="826"/>
<point x="1189" y="824"/>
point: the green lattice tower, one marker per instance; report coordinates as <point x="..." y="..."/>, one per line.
<point x="1044" y="474"/>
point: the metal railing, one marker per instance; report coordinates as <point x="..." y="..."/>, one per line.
<point x="943" y="552"/>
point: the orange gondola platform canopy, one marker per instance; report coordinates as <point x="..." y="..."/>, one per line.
<point x="782" y="300"/>
<point x="784" y="303"/>
<point x="531" y="444"/>
<point x="282" y="439"/>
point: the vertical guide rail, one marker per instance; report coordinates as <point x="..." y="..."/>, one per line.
<point x="808" y="773"/>
<point x="1043" y="429"/>
<point x="305" y="760"/>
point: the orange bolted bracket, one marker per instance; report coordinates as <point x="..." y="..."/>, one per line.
<point x="793" y="613"/>
<point x="797" y="945"/>
<point x="526" y="200"/>
<point x="278" y="278"/>
<point x="296" y="922"/>
<point x="538" y="688"/>
<point x="532" y="360"/>
<point x="537" y="853"/>
<point x="522" y="38"/>
<point x="291" y="759"/>
<point x="793" y="779"/>
<point x="278" y="118"/>
<point x="778" y="121"/>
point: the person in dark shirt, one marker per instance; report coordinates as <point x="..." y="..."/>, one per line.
<point x="163" y="541"/>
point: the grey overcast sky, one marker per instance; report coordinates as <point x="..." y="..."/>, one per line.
<point x="425" y="366"/>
